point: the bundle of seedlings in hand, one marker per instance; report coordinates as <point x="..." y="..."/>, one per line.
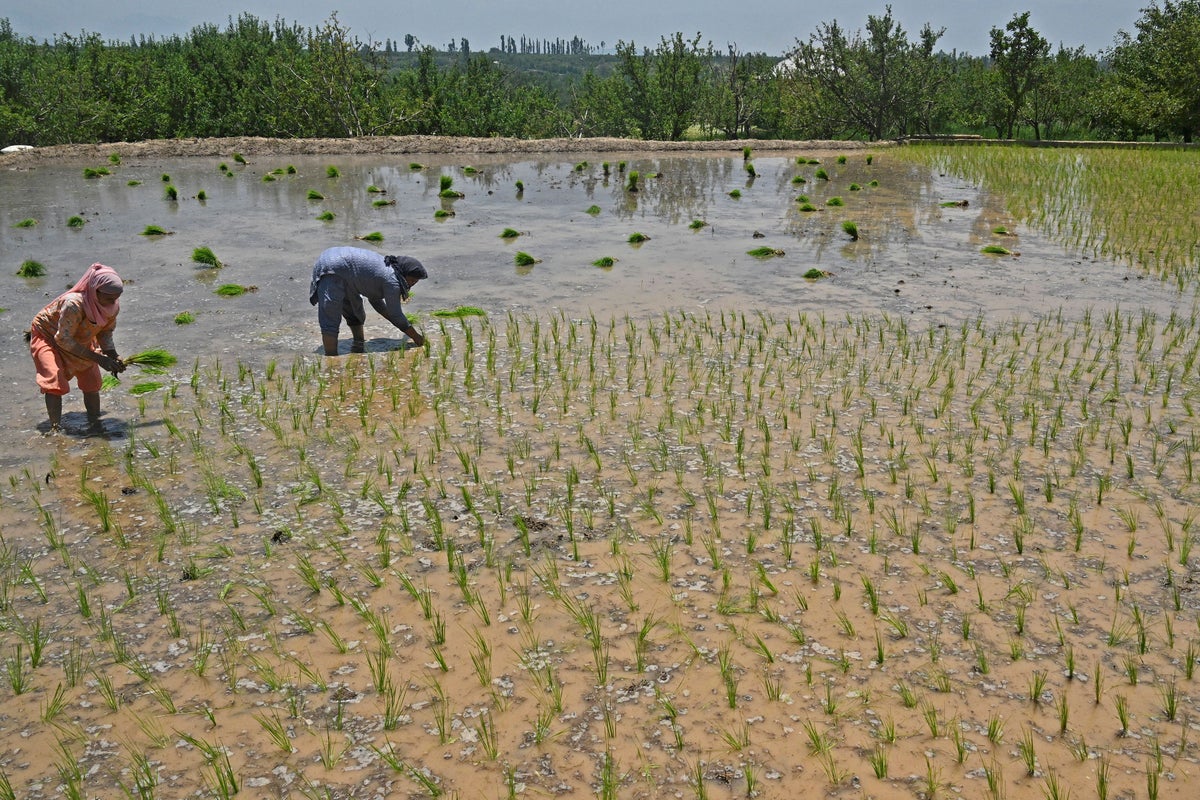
<point x="153" y="360"/>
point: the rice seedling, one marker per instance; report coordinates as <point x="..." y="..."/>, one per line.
<point x="373" y="236"/>
<point x="593" y="210"/>
<point x="1028" y="753"/>
<point x="637" y="238"/>
<point x="764" y="252"/>
<point x="231" y="290"/>
<point x="28" y="222"/>
<point x="736" y="194"/>
<point x="995" y="250"/>
<point x="31" y="269"/>
<point x="204" y="255"/>
<point x="326" y="216"/>
<point x="851" y="229"/>
<point x="185" y="318"/>
<point x="443" y="213"/>
<point x="509" y="233"/>
<point x="523" y="259"/>
<point x="446" y="190"/>
<point x="835" y="201"/>
<point x="171" y="193"/>
<point x="76" y="221"/>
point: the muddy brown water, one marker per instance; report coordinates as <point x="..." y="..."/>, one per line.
<point x="569" y="554"/>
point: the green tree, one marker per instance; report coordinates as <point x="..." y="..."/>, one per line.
<point x="1158" y="71"/>
<point x="1062" y="106"/>
<point x="878" y="86"/>
<point x="741" y="93"/>
<point x="1020" y="56"/>
<point x="665" y="86"/>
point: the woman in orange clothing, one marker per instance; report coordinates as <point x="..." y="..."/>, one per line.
<point x="73" y="338"/>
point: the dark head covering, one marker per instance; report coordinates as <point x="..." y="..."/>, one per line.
<point x="406" y="267"/>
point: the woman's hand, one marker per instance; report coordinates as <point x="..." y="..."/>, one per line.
<point x="110" y="362"/>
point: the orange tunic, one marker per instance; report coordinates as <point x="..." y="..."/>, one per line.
<point x="64" y="325"/>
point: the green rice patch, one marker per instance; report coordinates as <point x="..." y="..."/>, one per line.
<point x="460" y="312"/>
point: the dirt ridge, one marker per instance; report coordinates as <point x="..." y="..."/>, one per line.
<point x="398" y="145"/>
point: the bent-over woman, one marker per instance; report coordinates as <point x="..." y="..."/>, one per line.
<point x="72" y="338"/>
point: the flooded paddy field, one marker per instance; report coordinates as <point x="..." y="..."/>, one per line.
<point x="692" y="525"/>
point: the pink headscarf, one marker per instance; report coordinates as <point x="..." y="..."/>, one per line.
<point x="99" y="277"/>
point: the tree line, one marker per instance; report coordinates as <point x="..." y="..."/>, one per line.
<point x="260" y="78"/>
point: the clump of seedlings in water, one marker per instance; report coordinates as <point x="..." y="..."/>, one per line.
<point x="736" y="194"/>
<point x="326" y="216"/>
<point x="469" y="170"/>
<point x="798" y="179"/>
<point x="851" y="229"/>
<point x="239" y="158"/>
<point x="638" y="238"/>
<point x="509" y="233"/>
<point x="816" y="274"/>
<point x="1000" y="230"/>
<point x="446" y="190"/>
<point x="155" y="230"/>
<point x="750" y="170"/>
<point x="185" y="318"/>
<point x="201" y="195"/>
<point x="96" y="172"/>
<point x="697" y="224"/>
<point x="520" y="186"/>
<point x="821" y="174"/>
<point x="380" y="203"/>
<point x="593" y="210"/>
<point x="996" y="250"/>
<point x="31" y="269"/>
<point x="171" y="193"/>
<point x="332" y="172"/>
<point x="631" y="183"/>
<point x="443" y="213"/>
<point x="841" y="159"/>
<point x="764" y="252"/>
<point x="835" y="201"/>
<point x="854" y="187"/>
<point x="76" y="222"/>
<point x="133" y="183"/>
<point x="413" y="165"/>
<point x="870" y="160"/>
<point x="313" y="194"/>
<point x="604" y="261"/>
<point x="460" y="312"/>
<point x="956" y="204"/>
<point x="204" y="255"/>
<point x="373" y="189"/>
<point x="523" y="259"/>
<point x="166" y="178"/>
<point x="29" y="222"/>
<point x="234" y="289"/>
<point x="373" y="236"/>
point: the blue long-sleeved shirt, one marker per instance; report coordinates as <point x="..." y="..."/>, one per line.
<point x="365" y="273"/>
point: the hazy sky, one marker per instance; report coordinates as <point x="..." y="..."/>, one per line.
<point x="770" y="26"/>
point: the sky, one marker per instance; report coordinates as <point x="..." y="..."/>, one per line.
<point x="768" y="26"/>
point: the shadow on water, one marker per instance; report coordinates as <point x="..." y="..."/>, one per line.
<point x="914" y="257"/>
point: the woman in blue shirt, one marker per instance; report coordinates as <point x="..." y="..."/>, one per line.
<point x="343" y="276"/>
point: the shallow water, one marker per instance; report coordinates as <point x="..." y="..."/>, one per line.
<point x="914" y="256"/>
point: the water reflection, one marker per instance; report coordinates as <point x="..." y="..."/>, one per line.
<point x="913" y="257"/>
